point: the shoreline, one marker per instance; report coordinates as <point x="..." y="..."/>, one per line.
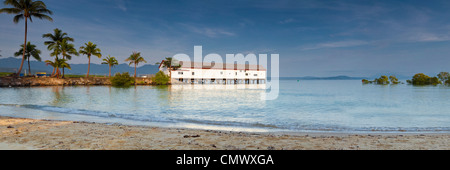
<point x="52" y="81"/>
<point x="34" y="134"/>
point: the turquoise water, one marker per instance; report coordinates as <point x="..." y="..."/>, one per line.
<point x="305" y="106"/>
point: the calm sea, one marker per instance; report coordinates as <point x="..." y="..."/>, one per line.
<point x="302" y="106"/>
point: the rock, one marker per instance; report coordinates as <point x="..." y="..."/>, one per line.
<point x="9" y="127"/>
<point x="193" y="136"/>
<point x="270" y="148"/>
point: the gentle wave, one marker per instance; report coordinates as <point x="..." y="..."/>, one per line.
<point x="291" y="127"/>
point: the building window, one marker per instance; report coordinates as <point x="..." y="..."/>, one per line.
<point x="255" y="75"/>
<point x="246" y="74"/>
<point x="193" y="73"/>
<point x="236" y="73"/>
<point x="180" y="73"/>
<point x="221" y="72"/>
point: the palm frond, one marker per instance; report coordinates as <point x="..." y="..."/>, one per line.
<point x="17" y="18"/>
<point x="41" y="16"/>
<point x="12" y="2"/>
<point x="10" y="10"/>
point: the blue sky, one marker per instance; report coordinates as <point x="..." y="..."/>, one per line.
<point x="313" y="37"/>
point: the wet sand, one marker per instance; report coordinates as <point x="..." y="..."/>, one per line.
<point x="31" y="134"/>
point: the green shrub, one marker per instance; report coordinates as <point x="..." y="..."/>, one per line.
<point x="365" y="81"/>
<point x="383" y="80"/>
<point x="422" y="79"/>
<point x="160" y="78"/>
<point x="122" y="80"/>
<point x="394" y="80"/>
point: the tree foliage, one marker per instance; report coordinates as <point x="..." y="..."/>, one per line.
<point x="135" y="59"/>
<point x="26" y="10"/>
<point x="160" y="79"/>
<point x="444" y="76"/>
<point x="422" y="79"/>
<point x="394" y="80"/>
<point x="383" y="80"/>
<point x="122" y="80"/>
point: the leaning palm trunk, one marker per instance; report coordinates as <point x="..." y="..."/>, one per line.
<point x="24" y="44"/>
<point x="53" y="73"/>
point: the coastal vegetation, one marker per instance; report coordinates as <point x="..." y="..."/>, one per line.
<point x="135" y="59"/>
<point x="170" y="64"/>
<point x="58" y="63"/>
<point x="67" y="50"/>
<point x="444" y="77"/>
<point x="3" y="74"/>
<point x="58" y="42"/>
<point x="383" y="80"/>
<point x="419" y="79"/>
<point x="122" y="80"/>
<point x="30" y="51"/>
<point x="27" y="10"/>
<point x="422" y="79"/>
<point x="161" y="79"/>
<point x="88" y="50"/>
<point x="111" y="61"/>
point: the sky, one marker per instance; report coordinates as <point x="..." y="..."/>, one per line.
<point x="363" y="38"/>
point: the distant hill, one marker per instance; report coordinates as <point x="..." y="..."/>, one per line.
<point x="12" y="64"/>
<point x="323" y="78"/>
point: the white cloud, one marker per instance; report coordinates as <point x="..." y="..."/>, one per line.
<point x="209" y="32"/>
<point x="286" y="21"/>
<point x="337" y="44"/>
<point x="120" y="4"/>
<point x="428" y="37"/>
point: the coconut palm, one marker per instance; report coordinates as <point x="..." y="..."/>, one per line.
<point x="135" y="59"/>
<point x="90" y="49"/>
<point x="55" y="41"/>
<point x="56" y="38"/>
<point x="111" y="61"/>
<point x="30" y="51"/>
<point x="67" y="50"/>
<point x="51" y="63"/>
<point x="26" y="9"/>
<point x="58" y="63"/>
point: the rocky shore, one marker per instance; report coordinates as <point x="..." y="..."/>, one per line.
<point x="50" y="81"/>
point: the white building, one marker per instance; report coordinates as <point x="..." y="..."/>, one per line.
<point x="219" y="73"/>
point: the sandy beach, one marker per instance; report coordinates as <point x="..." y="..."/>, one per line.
<point x="30" y="134"/>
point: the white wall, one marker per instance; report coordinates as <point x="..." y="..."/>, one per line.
<point x="217" y="74"/>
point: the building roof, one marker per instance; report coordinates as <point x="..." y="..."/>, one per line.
<point x="220" y="66"/>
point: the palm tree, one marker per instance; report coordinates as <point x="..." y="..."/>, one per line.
<point x="111" y="61"/>
<point x="30" y="51"/>
<point x="67" y="50"/>
<point x="170" y="64"/>
<point x="58" y="63"/>
<point x="135" y="59"/>
<point x="56" y="38"/>
<point x="25" y="9"/>
<point x="90" y="49"/>
<point x="55" y="42"/>
<point x="56" y="52"/>
<point x="51" y="63"/>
